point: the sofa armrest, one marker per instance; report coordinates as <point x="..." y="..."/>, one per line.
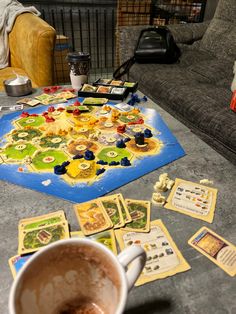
<point x="188" y="33"/>
<point x="31" y="43"/>
<point x="127" y="36"/>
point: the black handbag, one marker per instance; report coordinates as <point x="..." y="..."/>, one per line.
<point x="155" y="45"/>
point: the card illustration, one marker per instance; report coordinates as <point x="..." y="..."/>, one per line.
<point x="112" y="207"/>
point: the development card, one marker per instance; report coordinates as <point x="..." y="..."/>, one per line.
<point x="42" y="221"/>
<point x="17" y="262"/>
<point x="28" y="101"/>
<point x="106" y="238"/>
<point x="33" y="239"/>
<point x="140" y="214"/>
<point x="163" y="257"/>
<point x="125" y="213"/>
<point x="216" y="248"/>
<point x="112" y="207"/>
<point x="192" y="199"/>
<point x="92" y="217"/>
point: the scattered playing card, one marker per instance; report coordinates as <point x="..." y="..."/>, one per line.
<point x="92" y="217"/>
<point x="216" y="248"/>
<point x="29" y="101"/>
<point x="112" y="207"/>
<point x="17" y="262"/>
<point x="140" y="214"/>
<point x="163" y="257"/>
<point x="106" y="237"/>
<point x="192" y="199"/>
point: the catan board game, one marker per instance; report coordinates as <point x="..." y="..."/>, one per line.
<point x="79" y="152"/>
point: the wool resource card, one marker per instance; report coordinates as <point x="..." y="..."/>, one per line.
<point x="78" y="152"/>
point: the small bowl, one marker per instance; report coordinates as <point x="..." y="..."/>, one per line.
<point x="17" y="90"/>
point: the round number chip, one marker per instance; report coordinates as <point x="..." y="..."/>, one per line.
<point x="20" y="147"/>
<point x="30" y="120"/>
<point x="84" y="166"/>
<point x="83" y="130"/>
<point x="130" y="117"/>
<point x="84" y="119"/>
<point x="80" y="147"/>
<point x="103" y="112"/>
<point x="23" y="134"/>
<point x="48" y="159"/>
<point x="112" y="154"/>
<point x="144" y="145"/>
<point x="56" y="140"/>
<point x="108" y="124"/>
<point x="55" y="113"/>
<point x="137" y="129"/>
<point x="111" y="139"/>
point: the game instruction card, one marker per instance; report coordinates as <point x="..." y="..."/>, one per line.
<point x="140" y="214"/>
<point x="92" y="217"/>
<point x="193" y="199"/>
<point x="124" y="210"/>
<point x="17" y="262"/>
<point x="106" y="238"/>
<point x="163" y="257"/>
<point x="112" y="207"/>
<point x="216" y="248"/>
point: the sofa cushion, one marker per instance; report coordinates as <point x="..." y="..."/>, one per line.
<point x="8" y="73"/>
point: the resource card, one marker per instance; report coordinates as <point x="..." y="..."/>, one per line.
<point x="17" y="262"/>
<point x="36" y="232"/>
<point x="163" y="257"/>
<point x="216" y="248"/>
<point x="92" y="217"/>
<point x="106" y="237"/>
<point x="140" y="214"/>
<point x="192" y="199"/>
<point x="125" y="213"/>
<point x="112" y="207"/>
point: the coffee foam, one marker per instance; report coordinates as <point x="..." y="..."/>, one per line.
<point x="73" y="273"/>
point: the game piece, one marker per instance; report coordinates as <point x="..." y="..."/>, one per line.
<point x="193" y="199"/>
<point x="89" y="155"/>
<point x="100" y="171"/>
<point x="121" y="128"/>
<point x="120" y="144"/>
<point x="102" y="162"/>
<point x="216" y="248"/>
<point x="125" y="162"/>
<point x="76" y="112"/>
<point x="139" y="138"/>
<point x="163" y="257"/>
<point x="164" y="183"/>
<point x="32" y="147"/>
<point x="140" y="214"/>
<point x="147" y="133"/>
<point x="106" y="238"/>
<point x="158" y="199"/>
<point x="92" y="217"/>
<point x="17" y="262"/>
<point x="112" y="207"/>
<point x="206" y="181"/>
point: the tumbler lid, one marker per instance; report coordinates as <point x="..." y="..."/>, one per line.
<point x="78" y="56"/>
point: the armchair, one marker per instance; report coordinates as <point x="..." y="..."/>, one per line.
<point x="31" y="44"/>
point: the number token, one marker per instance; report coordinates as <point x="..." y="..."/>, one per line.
<point x="83" y="130"/>
<point x="56" y="140"/>
<point x="136" y="130"/>
<point x="111" y="139"/>
<point x="108" y="124"/>
<point x="80" y="147"/>
<point x="30" y="121"/>
<point x="130" y="117"/>
<point x="112" y="154"/>
<point x="20" y="147"/>
<point x="23" y="134"/>
<point x="48" y="159"/>
<point x="84" y="166"/>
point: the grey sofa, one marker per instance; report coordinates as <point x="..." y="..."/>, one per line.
<point x="197" y="89"/>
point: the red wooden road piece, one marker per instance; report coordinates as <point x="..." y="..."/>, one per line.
<point x="24" y="114"/>
<point x="51" y="109"/>
<point x="76" y="112"/>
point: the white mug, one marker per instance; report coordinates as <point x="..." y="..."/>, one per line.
<point x="75" y="275"/>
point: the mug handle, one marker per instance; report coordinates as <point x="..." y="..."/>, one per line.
<point x="137" y="255"/>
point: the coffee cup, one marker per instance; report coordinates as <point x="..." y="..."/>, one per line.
<point x="79" y="63"/>
<point x="76" y="276"/>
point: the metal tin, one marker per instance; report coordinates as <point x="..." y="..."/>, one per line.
<point x="17" y="90"/>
